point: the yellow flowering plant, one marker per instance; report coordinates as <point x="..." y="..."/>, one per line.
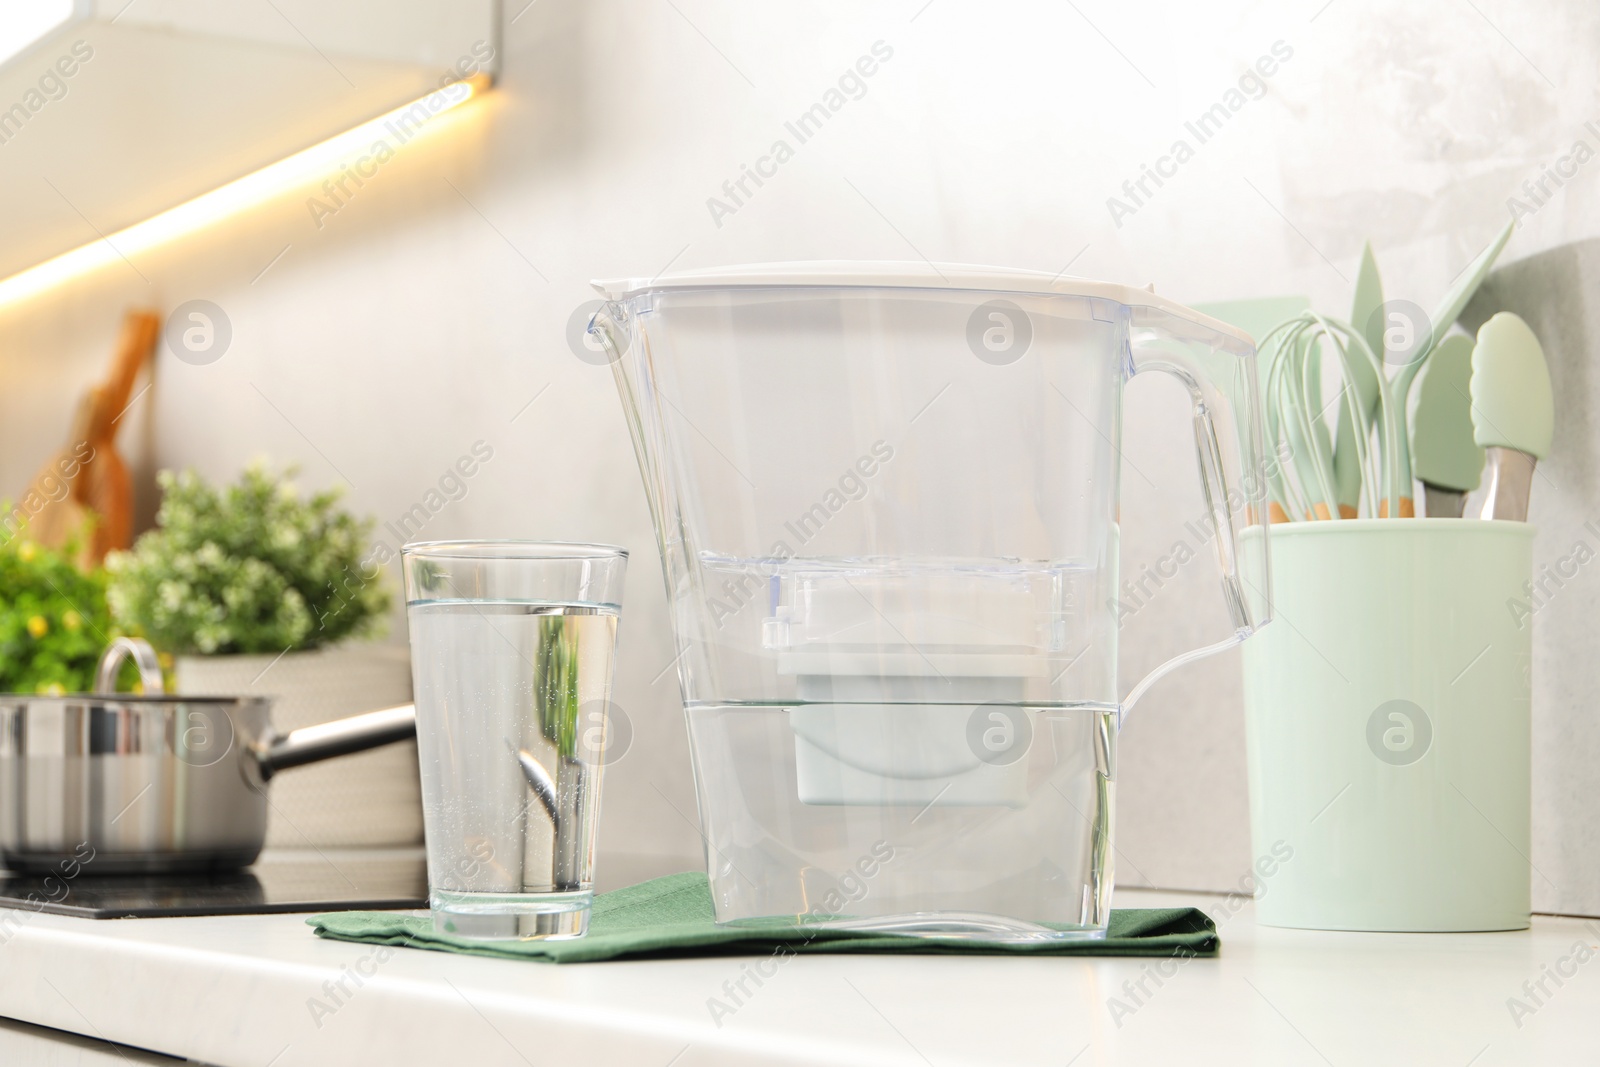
<point x="54" y="622"/>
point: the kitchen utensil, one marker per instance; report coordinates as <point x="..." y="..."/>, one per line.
<point x="1299" y="419"/>
<point x="511" y="653"/>
<point x="1445" y="458"/>
<point x="1390" y="749"/>
<point x="886" y="500"/>
<point x="1308" y="437"/>
<point x="1366" y="302"/>
<point x="1258" y="318"/>
<point x="1466" y="284"/>
<point x="1444" y="316"/>
<point x="1513" y="411"/>
<point x="1361" y="356"/>
<point x="152" y="783"/>
<point x="1347" y="464"/>
<point x="97" y="486"/>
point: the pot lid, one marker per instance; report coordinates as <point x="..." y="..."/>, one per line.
<point x="906" y="274"/>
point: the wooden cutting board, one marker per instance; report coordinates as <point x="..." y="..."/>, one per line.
<point x="86" y="481"/>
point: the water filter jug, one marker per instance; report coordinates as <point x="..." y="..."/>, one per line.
<point x="886" y="500"/>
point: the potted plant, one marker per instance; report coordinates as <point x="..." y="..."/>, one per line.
<point x="54" y="622"/>
<point x="256" y="588"/>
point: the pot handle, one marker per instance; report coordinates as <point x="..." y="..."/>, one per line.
<point x="144" y="657"/>
<point x="338" y="738"/>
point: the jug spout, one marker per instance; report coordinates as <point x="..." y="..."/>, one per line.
<point x="606" y="333"/>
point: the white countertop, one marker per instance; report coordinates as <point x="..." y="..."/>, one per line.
<point x="238" y="991"/>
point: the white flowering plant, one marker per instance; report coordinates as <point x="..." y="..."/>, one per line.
<point x="249" y="568"/>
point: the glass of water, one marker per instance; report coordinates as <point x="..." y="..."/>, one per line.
<point x="511" y="660"/>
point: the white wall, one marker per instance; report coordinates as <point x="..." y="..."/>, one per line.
<point x="426" y="314"/>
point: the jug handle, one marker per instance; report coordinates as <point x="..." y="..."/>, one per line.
<point x="1213" y="363"/>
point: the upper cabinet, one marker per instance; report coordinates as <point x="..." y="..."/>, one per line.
<point x="113" y="111"/>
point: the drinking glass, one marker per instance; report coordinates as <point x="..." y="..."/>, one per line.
<point x="511" y="657"/>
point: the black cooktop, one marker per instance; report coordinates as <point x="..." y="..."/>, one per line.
<point x="335" y="880"/>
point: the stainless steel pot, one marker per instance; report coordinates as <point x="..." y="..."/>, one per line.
<point x="153" y="783"/>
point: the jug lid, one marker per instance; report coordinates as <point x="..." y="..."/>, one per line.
<point x="905" y="274"/>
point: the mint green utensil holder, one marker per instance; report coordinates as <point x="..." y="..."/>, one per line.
<point x="1387" y="713"/>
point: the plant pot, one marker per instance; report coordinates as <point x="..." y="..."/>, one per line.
<point x="370" y="800"/>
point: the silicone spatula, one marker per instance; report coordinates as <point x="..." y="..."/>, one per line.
<point x="1513" y="412"/>
<point x="1364" y="382"/>
<point x="1444" y="455"/>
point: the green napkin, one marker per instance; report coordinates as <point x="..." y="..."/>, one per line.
<point x="672" y="916"/>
